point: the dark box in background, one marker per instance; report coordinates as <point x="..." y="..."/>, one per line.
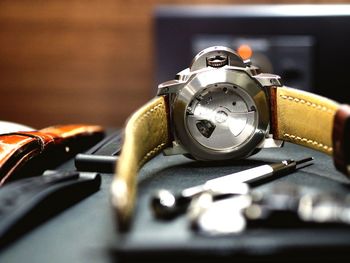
<point x="307" y="45"/>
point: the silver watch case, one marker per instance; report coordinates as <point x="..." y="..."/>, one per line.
<point x="219" y="107"/>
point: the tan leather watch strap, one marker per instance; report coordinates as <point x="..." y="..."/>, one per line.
<point x="297" y="116"/>
<point x="303" y="118"/>
<point x="145" y="135"/>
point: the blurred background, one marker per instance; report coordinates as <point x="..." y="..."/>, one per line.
<point x="97" y="61"/>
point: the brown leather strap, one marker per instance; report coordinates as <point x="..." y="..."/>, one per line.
<point x="303" y="118"/>
<point x="146" y="134"/>
<point x="15" y="150"/>
<point x="341" y="139"/>
<point x="18" y="148"/>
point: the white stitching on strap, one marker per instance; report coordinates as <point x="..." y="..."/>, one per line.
<point x="146" y="115"/>
<point x="308" y="141"/>
<point x="308" y="103"/>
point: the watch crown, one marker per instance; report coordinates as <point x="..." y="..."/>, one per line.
<point x="217" y="61"/>
<point x="216" y="57"/>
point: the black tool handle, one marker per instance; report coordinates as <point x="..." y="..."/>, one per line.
<point x="102" y="157"/>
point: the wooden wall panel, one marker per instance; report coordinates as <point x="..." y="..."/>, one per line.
<point x="67" y="61"/>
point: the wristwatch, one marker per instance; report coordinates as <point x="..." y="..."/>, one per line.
<point x="222" y="108"/>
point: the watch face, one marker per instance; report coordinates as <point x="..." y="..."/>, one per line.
<point x="221" y="117"/>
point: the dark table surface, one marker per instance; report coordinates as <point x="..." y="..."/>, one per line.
<point x="86" y="232"/>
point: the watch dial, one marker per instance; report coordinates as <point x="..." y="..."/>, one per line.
<point x="221" y="117"/>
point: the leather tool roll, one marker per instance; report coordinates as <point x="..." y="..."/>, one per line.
<point x="36" y="151"/>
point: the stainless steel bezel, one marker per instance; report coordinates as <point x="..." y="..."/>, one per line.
<point x="199" y="81"/>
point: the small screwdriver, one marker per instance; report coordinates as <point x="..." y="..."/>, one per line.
<point x="167" y="205"/>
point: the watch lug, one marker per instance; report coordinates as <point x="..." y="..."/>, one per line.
<point x="267" y="80"/>
<point x="270" y="142"/>
<point x="175" y="149"/>
<point x="183" y="75"/>
<point x="171" y="86"/>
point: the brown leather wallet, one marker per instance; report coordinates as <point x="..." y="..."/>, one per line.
<point x="32" y="152"/>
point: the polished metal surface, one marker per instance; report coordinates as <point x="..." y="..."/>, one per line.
<point x="219" y="118"/>
<point x="200" y="106"/>
<point x="219" y="106"/>
<point x="223" y="217"/>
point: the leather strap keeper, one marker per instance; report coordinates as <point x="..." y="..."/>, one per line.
<point x="341" y="139"/>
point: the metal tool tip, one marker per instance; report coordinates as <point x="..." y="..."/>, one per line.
<point x="305" y="160"/>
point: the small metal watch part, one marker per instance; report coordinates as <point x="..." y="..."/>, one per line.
<point x="217" y="61"/>
<point x="325" y="208"/>
<point x="205" y="127"/>
<point x="221" y="217"/>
